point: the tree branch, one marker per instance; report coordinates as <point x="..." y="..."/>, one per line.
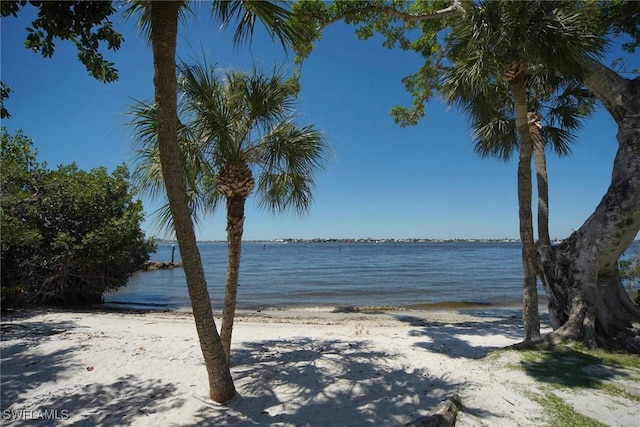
<point x="455" y="9"/>
<point x="607" y="85"/>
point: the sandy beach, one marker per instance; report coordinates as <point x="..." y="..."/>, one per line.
<point x="291" y="368"/>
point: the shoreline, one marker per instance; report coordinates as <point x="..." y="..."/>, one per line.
<point x="290" y="368"/>
<point x="440" y="305"/>
<point x="454" y="311"/>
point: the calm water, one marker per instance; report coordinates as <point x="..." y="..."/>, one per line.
<point x="302" y="275"/>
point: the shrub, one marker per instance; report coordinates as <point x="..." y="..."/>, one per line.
<point x="68" y="235"/>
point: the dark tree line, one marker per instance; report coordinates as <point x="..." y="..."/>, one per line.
<point x="68" y="235"/>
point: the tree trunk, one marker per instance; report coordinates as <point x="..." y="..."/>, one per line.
<point x="540" y="161"/>
<point x="164" y="29"/>
<point x="530" y="316"/>
<point x="235" y="229"/>
<point x="587" y="300"/>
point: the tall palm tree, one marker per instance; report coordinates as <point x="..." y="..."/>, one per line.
<point x="233" y="126"/>
<point x="581" y="272"/>
<point x="559" y="106"/>
<point x="496" y="44"/>
<point x="160" y="18"/>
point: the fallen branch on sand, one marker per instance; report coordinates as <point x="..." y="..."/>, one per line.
<point x="443" y="415"/>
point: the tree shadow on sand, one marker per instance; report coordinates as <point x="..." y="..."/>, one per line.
<point x="576" y="369"/>
<point x="283" y="382"/>
<point x="466" y="339"/>
<point x="27" y="366"/>
<point x="127" y="400"/>
<point x="24" y="367"/>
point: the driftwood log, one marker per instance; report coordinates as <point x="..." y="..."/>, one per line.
<point x="443" y="415"/>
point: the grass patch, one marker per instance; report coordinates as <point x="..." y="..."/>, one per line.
<point x="576" y="367"/>
<point x="560" y="414"/>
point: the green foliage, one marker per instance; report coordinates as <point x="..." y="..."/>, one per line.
<point x="85" y="23"/>
<point x="411" y="26"/>
<point x="577" y="368"/>
<point x="621" y="17"/>
<point x="67" y="235"/>
<point x="507" y="31"/>
<point x="229" y="119"/>
<point x="4" y="94"/>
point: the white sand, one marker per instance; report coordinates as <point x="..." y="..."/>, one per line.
<point x="290" y="369"/>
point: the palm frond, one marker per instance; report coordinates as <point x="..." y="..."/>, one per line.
<point x="559" y="139"/>
<point x="495" y="138"/>
<point x="289" y="156"/>
<point x="285" y="191"/>
<point x="245" y="13"/>
<point x="147" y="174"/>
<point x="269" y="97"/>
<point x="231" y="118"/>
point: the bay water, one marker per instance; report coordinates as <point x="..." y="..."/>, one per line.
<point x="325" y="275"/>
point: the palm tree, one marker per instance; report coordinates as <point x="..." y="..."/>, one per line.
<point x="562" y="103"/>
<point x="559" y="106"/>
<point x="160" y="18"/>
<point x="234" y="124"/>
<point x="580" y="273"/>
<point x="496" y="44"/>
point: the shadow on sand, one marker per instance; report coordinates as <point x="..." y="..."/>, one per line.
<point x="320" y="381"/>
<point x="464" y="339"/>
<point x="349" y="382"/>
<point x="27" y="365"/>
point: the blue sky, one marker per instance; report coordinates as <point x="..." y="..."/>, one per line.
<point x="384" y="181"/>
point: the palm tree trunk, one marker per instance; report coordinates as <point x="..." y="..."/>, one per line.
<point x="530" y="315"/>
<point x="164" y="29"/>
<point x="544" y="240"/>
<point x="235" y="229"/>
<point x="587" y="298"/>
<point x="540" y="161"/>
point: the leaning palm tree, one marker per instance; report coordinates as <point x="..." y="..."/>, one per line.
<point x="496" y="45"/>
<point x="235" y="127"/>
<point x="160" y="19"/>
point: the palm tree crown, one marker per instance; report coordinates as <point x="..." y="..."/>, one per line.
<point x="233" y="125"/>
<point x="561" y="103"/>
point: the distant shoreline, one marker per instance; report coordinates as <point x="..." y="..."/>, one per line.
<point x="369" y="240"/>
<point x="357" y="240"/>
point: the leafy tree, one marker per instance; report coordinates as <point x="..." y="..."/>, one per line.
<point x="85" y="23"/>
<point x="234" y="128"/>
<point x="4" y="94"/>
<point x="580" y="275"/>
<point x="68" y="236"/>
